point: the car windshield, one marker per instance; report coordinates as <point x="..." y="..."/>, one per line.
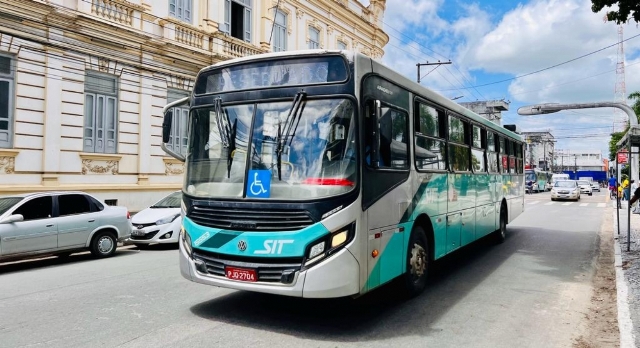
<point x="171" y="201"/>
<point x="234" y="154"/>
<point x="7" y="202"/>
<point x="566" y="184"/>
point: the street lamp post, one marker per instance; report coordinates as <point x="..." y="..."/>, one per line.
<point x="541" y="109"/>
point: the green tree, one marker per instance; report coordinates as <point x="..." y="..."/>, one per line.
<point x="627" y="10"/>
<point x="615" y="137"/>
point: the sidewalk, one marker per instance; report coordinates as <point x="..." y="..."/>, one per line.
<point x="627" y="264"/>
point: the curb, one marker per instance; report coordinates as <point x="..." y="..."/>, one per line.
<point x="627" y="339"/>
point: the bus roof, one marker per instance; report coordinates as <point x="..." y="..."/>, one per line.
<point x="379" y="67"/>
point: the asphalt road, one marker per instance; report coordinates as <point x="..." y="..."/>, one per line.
<point x="531" y="291"/>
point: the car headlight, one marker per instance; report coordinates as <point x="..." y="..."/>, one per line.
<point x="186" y="240"/>
<point x="328" y="245"/>
<point x="167" y="220"/>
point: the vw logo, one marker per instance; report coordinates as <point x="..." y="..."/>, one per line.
<point x="242" y="245"/>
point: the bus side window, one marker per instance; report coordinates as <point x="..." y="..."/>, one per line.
<point x="390" y="125"/>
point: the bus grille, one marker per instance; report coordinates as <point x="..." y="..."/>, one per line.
<point x="242" y="219"/>
<point x="268" y="270"/>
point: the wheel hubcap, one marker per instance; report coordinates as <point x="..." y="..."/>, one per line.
<point x="418" y="261"/>
<point x="105" y="244"/>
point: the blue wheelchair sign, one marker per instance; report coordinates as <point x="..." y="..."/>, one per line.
<point x="259" y="184"/>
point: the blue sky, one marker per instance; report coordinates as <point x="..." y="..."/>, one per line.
<point x="493" y="40"/>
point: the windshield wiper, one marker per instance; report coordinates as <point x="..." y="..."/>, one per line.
<point x="226" y="131"/>
<point x="294" y="116"/>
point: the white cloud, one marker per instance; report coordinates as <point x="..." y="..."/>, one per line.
<point x="533" y="35"/>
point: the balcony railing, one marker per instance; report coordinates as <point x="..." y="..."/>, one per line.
<point x="118" y="11"/>
<point x="189" y="36"/>
<point x="231" y="47"/>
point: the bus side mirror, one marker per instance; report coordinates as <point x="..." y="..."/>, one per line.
<point x="166" y="126"/>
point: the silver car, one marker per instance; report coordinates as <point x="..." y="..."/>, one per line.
<point x="60" y="223"/>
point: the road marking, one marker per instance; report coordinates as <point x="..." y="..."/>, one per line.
<point x="568" y="203"/>
<point x="584" y="204"/>
<point x="550" y="203"/>
<point x="602" y="205"/>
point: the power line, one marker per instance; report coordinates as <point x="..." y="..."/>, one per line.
<point x="553" y="66"/>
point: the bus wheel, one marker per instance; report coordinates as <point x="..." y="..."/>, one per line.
<point x="501" y="233"/>
<point x="415" y="277"/>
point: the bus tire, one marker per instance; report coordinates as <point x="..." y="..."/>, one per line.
<point x="417" y="263"/>
<point x="501" y="233"/>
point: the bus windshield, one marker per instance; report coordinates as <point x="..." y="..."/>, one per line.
<point x="530" y="177"/>
<point x="232" y="153"/>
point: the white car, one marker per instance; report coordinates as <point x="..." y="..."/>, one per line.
<point x="585" y="187"/>
<point x="160" y="223"/>
<point x="565" y="189"/>
<point x="595" y="186"/>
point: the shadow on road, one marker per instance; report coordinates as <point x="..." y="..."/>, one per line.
<point x="53" y="261"/>
<point x="383" y="314"/>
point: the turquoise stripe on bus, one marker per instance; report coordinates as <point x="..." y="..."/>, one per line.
<point x="258" y="244"/>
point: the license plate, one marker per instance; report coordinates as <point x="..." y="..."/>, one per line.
<point x="242" y="274"/>
<point x="138" y="233"/>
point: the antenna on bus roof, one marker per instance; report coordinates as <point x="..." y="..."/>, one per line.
<point x="275" y="13"/>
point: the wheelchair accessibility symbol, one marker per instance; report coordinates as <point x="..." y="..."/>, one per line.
<point x="259" y="184"/>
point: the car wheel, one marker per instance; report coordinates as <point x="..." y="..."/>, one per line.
<point x="417" y="263"/>
<point x="103" y="244"/>
<point x="591" y="194"/>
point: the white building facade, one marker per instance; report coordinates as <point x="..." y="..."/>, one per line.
<point x="83" y="82"/>
<point x="579" y="160"/>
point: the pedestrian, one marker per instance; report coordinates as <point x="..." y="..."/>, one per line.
<point x="625" y="189"/>
<point x="619" y="195"/>
<point x="636" y="196"/>
<point x="612" y="186"/>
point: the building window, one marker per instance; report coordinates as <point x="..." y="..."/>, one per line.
<point x="100" y="113"/>
<point x="280" y="32"/>
<point x="6" y="101"/>
<point x="314" y="38"/>
<point x="342" y="46"/>
<point x="237" y="19"/>
<point x="181" y="9"/>
<point x="178" y="136"/>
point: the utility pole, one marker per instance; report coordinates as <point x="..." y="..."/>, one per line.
<point x="427" y="63"/>
<point x="544" y="154"/>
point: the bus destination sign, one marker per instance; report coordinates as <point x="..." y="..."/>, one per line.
<point x="272" y="73"/>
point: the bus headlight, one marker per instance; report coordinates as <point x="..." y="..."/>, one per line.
<point x="186" y="240"/>
<point x="328" y="245"/>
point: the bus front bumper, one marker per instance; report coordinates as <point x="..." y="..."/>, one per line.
<point x="337" y="276"/>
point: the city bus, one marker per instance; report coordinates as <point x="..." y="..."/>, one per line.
<point x="541" y="179"/>
<point x="323" y="174"/>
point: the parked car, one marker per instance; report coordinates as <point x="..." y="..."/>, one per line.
<point x="60" y="223"/>
<point x="160" y="223"/>
<point x="585" y="187"/>
<point x="565" y="189"/>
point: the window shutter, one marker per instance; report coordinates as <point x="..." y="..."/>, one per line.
<point x="172" y="8"/>
<point x="99" y="125"/>
<point x="89" y="123"/>
<point x="187" y="10"/>
<point x="5" y="113"/>
<point x="227" y="17"/>
<point x="111" y="126"/>
<point x="247" y="24"/>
